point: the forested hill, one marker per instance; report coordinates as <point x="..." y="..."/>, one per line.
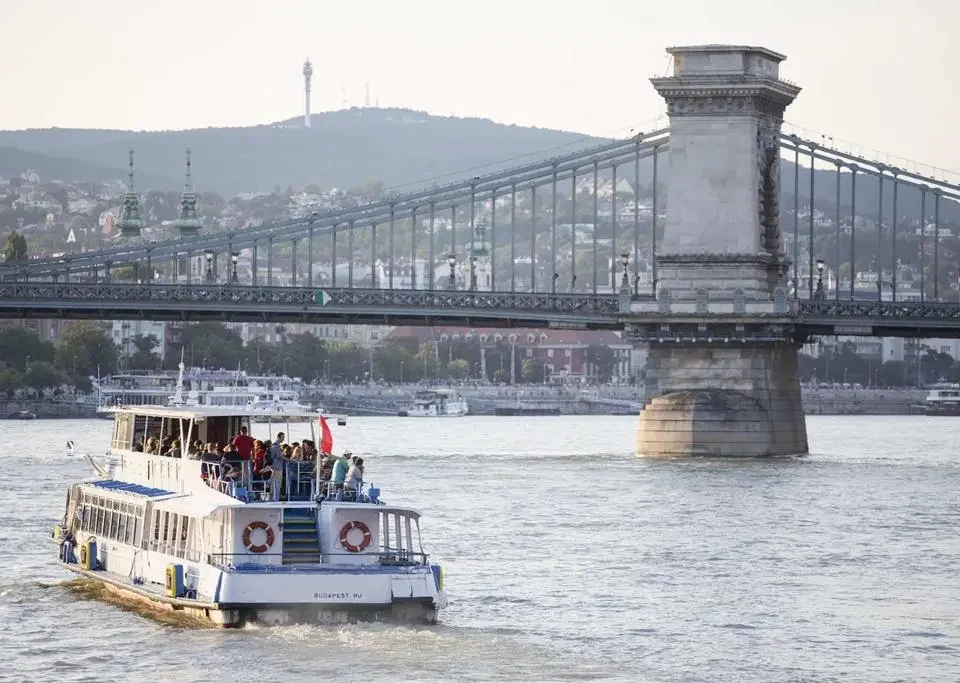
<point x="342" y="149"/>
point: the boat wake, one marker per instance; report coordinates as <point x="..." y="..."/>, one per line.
<point x="89" y="589"/>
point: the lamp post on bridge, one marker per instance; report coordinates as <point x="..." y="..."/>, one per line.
<point x="478" y="250"/>
<point x="234" y="258"/>
<point x="452" y="261"/>
<point x="818" y="295"/>
<point x="208" y="255"/>
<point x="625" y="280"/>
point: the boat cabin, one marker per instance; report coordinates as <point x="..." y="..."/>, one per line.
<point x="187" y="508"/>
<point x="136" y="425"/>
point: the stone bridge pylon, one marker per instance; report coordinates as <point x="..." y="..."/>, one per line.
<point x="722" y="365"/>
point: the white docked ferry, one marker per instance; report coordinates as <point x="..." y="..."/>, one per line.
<point x="198" y="386"/>
<point x="269" y="405"/>
<point x="943" y="399"/>
<point x="436" y="403"/>
<point x="185" y="535"/>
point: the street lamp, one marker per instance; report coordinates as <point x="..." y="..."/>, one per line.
<point x="209" y="256"/>
<point x="401" y="372"/>
<point x="625" y="281"/>
<point x="234" y="257"/>
<point x="819" y="293"/>
<point x="452" y="260"/>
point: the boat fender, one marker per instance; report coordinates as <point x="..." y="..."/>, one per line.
<point x="258" y="547"/>
<point x="345" y="541"/>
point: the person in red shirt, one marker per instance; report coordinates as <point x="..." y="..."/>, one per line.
<point x="243" y="442"/>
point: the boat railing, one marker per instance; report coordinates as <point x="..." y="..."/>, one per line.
<point x="299" y="482"/>
<point x="273" y="562"/>
<point x="350" y="493"/>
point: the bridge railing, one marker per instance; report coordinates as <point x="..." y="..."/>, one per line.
<point x="303" y="297"/>
<point x="880" y="311"/>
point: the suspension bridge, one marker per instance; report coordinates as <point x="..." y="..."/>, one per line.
<point x="711" y="280"/>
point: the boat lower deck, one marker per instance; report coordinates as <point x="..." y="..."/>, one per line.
<point x="204" y="613"/>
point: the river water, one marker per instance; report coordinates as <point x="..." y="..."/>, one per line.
<point x="567" y="558"/>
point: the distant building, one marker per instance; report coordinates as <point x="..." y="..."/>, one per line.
<point x="563" y="353"/>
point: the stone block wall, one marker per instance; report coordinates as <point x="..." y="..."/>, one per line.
<point x="739" y="400"/>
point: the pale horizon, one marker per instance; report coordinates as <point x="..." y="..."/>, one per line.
<point x="875" y="74"/>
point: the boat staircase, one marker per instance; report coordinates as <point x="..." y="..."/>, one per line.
<point x="300" y="542"/>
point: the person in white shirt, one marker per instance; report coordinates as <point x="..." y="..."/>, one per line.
<point x="354" y="481"/>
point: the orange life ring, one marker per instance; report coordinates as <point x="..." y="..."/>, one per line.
<point x="344" y="541"/>
<point x="258" y="548"/>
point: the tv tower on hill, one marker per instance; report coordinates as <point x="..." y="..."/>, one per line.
<point x="307" y="75"/>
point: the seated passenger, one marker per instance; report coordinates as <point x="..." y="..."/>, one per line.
<point x="325" y="471"/>
<point x="173" y="449"/>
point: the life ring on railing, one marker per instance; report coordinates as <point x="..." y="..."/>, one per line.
<point x="258" y="547"/>
<point x="345" y="541"/>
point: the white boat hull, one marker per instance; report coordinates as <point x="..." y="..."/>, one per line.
<point x="318" y="596"/>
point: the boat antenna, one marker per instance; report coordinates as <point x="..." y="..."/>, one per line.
<point x="178" y="395"/>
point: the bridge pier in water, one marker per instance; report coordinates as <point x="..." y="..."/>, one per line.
<point x="722" y="362"/>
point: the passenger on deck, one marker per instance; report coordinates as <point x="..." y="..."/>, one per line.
<point x="173" y="449"/>
<point x="325" y="470"/>
<point x="243" y="442"/>
<point x="151" y="446"/>
<point x="277" y="463"/>
<point x="259" y="457"/>
<point x="354" y="483"/>
<point x="340" y="467"/>
<point x="296" y="453"/>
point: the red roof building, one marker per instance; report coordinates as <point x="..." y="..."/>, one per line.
<point x="562" y="353"/>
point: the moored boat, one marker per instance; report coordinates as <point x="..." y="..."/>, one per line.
<point x="943" y="400"/>
<point x="22" y="415"/>
<point x="183" y="534"/>
<point x="436" y="403"/>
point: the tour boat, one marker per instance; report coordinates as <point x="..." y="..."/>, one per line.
<point x="943" y="399"/>
<point x="199" y="386"/>
<point x="178" y="534"/>
<point x="281" y="403"/>
<point x="436" y="403"/>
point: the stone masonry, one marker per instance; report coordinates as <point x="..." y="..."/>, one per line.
<point x="731" y="393"/>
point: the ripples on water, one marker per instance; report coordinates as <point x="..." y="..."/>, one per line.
<point x="567" y="558"/>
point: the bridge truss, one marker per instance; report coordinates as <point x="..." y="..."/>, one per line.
<point x="555" y="254"/>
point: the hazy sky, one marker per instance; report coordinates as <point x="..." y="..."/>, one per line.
<point x="879" y="73"/>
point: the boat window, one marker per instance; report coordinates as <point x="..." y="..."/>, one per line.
<point x="109" y="518"/>
<point x="122" y="431"/>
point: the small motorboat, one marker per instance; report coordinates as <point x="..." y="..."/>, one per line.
<point x="22" y="415"/>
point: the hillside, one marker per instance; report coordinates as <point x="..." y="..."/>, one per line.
<point x="402" y="148"/>
<point x="14" y="161"/>
<point x="343" y="149"/>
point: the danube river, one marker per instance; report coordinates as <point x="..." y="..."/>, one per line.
<point x="567" y="558"/>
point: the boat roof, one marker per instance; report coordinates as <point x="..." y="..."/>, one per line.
<point x="204" y="505"/>
<point x="188" y="412"/>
